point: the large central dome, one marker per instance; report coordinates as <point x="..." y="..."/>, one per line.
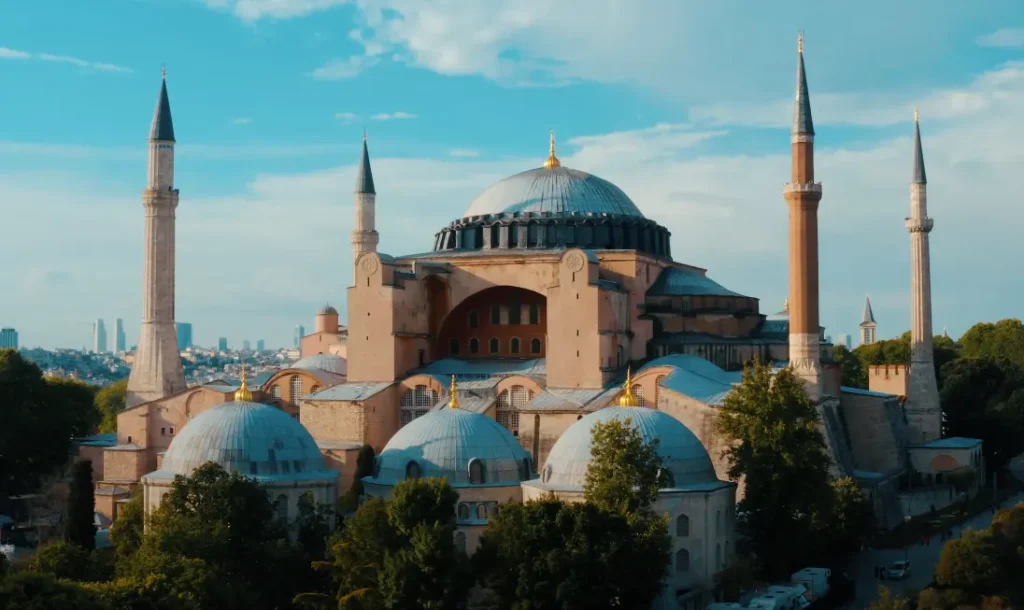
<point x="554" y="190"/>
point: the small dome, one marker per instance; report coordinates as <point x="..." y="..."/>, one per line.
<point x="249" y="438"/>
<point x="556" y="190"/>
<point x="325" y="362"/>
<point x="443" y="442"/>
<point x="327" y="310"/>
<point x="680" y="450"/>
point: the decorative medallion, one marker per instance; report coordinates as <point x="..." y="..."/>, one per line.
<point x="575" y="262"/>
<point x="369" y="265"/>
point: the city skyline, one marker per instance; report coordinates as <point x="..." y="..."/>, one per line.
<point x="699" y="152"/>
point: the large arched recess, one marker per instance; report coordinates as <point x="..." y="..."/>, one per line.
<point x="489" y="320"/>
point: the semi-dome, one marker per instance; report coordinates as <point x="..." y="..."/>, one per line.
<point x="253" y="439"/>
<point x="445" y="443"/>
<point x="681" y="451"/>
<point x="325" y="362"/>
<point x="327" y="310"/>
<point x="554" y="190"/>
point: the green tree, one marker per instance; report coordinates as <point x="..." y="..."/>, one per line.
<point x="898" y="351"/>
<point x="773" y="433"/>
<point x="364" y="468"/>
<point x="970" y="563"/>
<point x="887" y="600"/>
<point x="854" y="373"/>
<point x="846" y="520"/>
<point x="75" y="400"/>
<point x="80" y="522"/>
<point x="1001" y="340"/>
<point x="127" y="530"/>
<point x="61" y="559"/>
<point x="110" y="401"/>
<point x="35" y="591"/>
<point x="625" y="472"/>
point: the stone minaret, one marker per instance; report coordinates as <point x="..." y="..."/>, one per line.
<point x="364" y="235"/>
<point x="803" y="195"/>
<point x="867" y="324"/>
<point x="924" y="416"/>
<point x="156" y="370"/>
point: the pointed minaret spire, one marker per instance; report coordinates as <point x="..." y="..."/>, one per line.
<point x="869" y="315"/>
<point x="867" y="324"/>
<point x="364" y="234"/>
<point x="919" y="175"/>
<point x="364" y="177"/>
<point x="162" y="128"/>
<point x="802" y="122"/>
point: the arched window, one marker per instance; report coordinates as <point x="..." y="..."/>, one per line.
<point x="415" y="403"/>
<point x="534" y="314"/>
<point x="460" y="542"/>
<point x="412" y="470"/>
<point x="281" y="508"/>
<point x="513" y="345"/>
<point x="474" y="346"/>
<point x="682" y="526"/>
<point x="494" y="345"/>
<point x="453" y="347"/>
<point x="657" y="391"/>
<point x="474" y="319"/>
<point x="295" y="384"/>
<point x="638" y="392"/>
<point x="718" y="556"/>
<point x="476" y="471"/>
<point x="481" y="512"/>
<point x="682" y="561"/>
<point x="463" y="511"/>
<point x="547" y="473"/>
<point x="535" y="346"/>
<point x="275" y="392"/>
<point x="527" y="470"/>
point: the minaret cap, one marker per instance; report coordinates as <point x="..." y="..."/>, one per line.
<point x="785" y="305"/>
<point x="162" y="128"/>
<point x="364" y="177"/>
<point x="627" y="399"/>
<point x="802" y="122"/>
<point x="453" y="401"/>
<point x="243" y="394"/>
<point x="919" y="176"/>
<point x="552" y="160"/>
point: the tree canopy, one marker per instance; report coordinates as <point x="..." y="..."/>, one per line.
<point x="625" y="472"/>
<point x="110" y="401"/>
<point x="995" y="341"/>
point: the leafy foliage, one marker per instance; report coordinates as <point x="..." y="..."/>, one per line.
<point x="898" y="351"/>
<point x="126" y="532"/>
<point x="887" y="600"/>
<point x="61" y="559"/>
<point x="1001" y="340"/>
<point x="36" y="591"/>
<point x="855" y="374"/>
<point x="625" y="472"/>
<point x="109" y="402"/>
<point x="80" y="523"/>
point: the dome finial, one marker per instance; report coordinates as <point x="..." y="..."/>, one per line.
<point x="785" y="305"/>
<point x="243" y="393"/>
<point x="916" y="115"/>
<point x="627" y="399"/>
<point x="552" y="160"/>
<point x="453" y="402"/>
<point x="800" y="42"/>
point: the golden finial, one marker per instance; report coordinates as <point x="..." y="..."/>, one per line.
<point x="453" y="402"/>
<point x="243" y="393"/>
<point x="627" y="399"/>
<point x="552" y="160"/>
<point x="916" y="115"/>
<point x="364" y="135"/>
<point x="800" y="42"/>
<point x="785" y="305"/>
<point x="163" y="72"/>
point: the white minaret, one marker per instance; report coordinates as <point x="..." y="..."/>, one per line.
<point x="156" y="370"/>
<point x="364" y="234"/>
<point x="924" y="415"/>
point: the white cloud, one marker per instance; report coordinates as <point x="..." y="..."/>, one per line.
<point x="464" y="153"/>
<point x="242" y="120"/>
<point x="339" y="69"/>
<point x="392" y="116"/>
<point x="254" y="10"/>
<point x="1003" y="37"/>
<point x="346" y="116"/>
<point x="6" y="53"/>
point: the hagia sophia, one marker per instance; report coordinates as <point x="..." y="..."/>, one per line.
<point x="551" y="304"/>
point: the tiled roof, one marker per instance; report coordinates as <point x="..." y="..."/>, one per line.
<point x="556" y="190"/>
<point x="862" y="392"/>
<point x="677" y="281"/>
<point x="695" y="377"/>
<point x="353" y="390"/>
<point x="953" y="442"/>
<point x="163" y="127"/>
<point x="484" y="367"/>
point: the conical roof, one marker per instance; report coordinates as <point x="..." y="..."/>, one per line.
<point x="919" y="175"/>
<point x="163" y="127"/>
<point x="364" y="177"/>
<point x="802" y="123"/>
<point x="869" y="316"/>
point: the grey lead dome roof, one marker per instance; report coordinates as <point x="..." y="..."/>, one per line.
<point x="680" y="450"/>
<point x="557" y="190"/>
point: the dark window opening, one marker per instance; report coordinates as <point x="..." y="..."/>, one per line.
<point x="493" y="349"/>
<point x="474" y="346"/>
<point x="534" y="314"/>
<point x="513" y="345"/>
<point x="453" y="347"/>
<point x="535" y="346"/>
<point x="495" y="314"/>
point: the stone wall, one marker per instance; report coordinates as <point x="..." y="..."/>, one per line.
<point x="889" y="378"/>
<point x="539" y="431"/>
<point x="872" y="441"/>
<point x="126" y="465"/>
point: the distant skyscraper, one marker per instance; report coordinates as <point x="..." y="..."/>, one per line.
<point x="99" y="337"/>
<point x="300" y="332"/>
<point x="246" y="345"/>
<point x="8" y="338"/>
<point x="222" y="344"/>
<point x="261" y="345"/>
<point x="845" y="340"/>
<point x="184" y="331"/>
<point x="119" y="338"/>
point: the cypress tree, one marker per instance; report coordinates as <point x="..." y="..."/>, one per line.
<point x="80" y="524"/>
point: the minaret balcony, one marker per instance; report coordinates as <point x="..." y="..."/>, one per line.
<point x="919" y="225"/>
<point x="802" y="187"/>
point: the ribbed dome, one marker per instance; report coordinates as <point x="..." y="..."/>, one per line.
<point x="680" y="450"/>
<point x="554" y="190"/>
<point x="249" y="438"/>
<point x="324" y="362"/>
<point x="327" y="310"/>
<point x="444" y="441"/>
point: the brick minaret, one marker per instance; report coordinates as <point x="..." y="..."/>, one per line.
<point x="156" y="370"/>
<point x="924" y="416"/>
<point x="364" y="234"/>
<point x="803" y="195"/>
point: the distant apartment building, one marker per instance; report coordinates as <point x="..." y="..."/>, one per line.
<point x="222" y="344"/>
<point x="846" y="340"/>
<point x="300" y="332"/>
<point x="119" y="338"/>
<point x="184" y="332"/>
<point x="261" y="345"/>
<point x="8" y="338"/>
<point x="246" y="345"/>
<point x="99" y="337"/>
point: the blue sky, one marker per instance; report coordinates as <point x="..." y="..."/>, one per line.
<point x="684" y="104"/>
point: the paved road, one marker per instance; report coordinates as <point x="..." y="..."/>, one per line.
<point x="922" y="560"/>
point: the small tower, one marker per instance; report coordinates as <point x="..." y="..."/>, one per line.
<point x="867" y="324"/>
<point x="924" y="415"/>
<point x="803" y="194"/>
<point x="156" y="370"/>
<point x="364" y="235"/>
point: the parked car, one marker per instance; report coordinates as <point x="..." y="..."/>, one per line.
<point x="899" y="570"/>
